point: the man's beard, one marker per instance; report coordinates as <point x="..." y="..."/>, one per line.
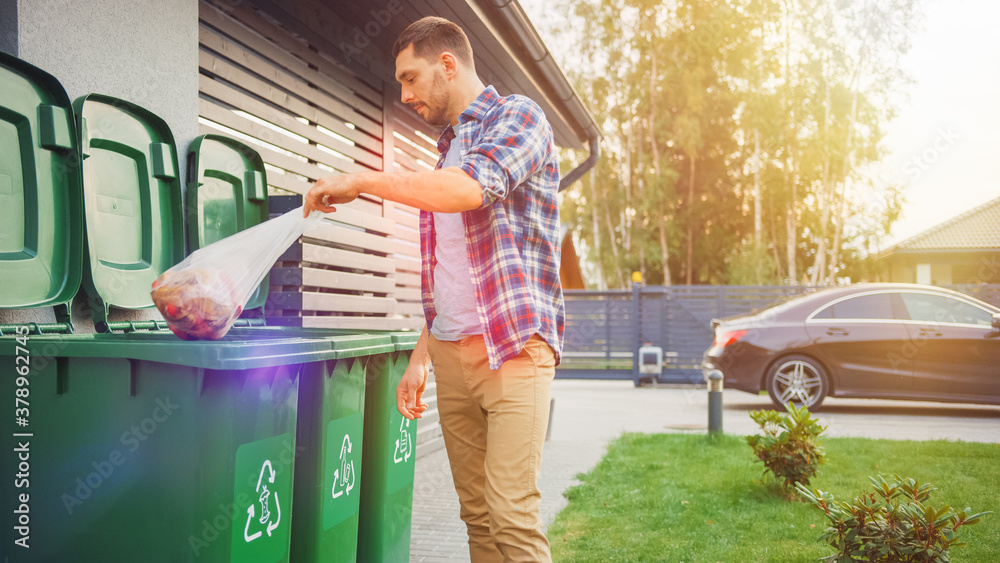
<point x="438" y="101"/>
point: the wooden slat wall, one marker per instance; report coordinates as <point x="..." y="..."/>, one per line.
<point x="309" y="116"/>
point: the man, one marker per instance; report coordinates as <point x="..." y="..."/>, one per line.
<point x="492" y="299"/>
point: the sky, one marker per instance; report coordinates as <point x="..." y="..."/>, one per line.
<point x="944" y="145"/>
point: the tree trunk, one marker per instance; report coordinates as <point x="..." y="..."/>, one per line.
<point x="664" y="248"/>
<point x="790" y="223"/>
<point x="775" y="242"/>
<point x="614" y="247"/>
<point x="663" y="245"/>
<point x="756" y="188"/>
<point x="791" y="226"/>
<point x="826" y="198"/>
<point x="848" y="142"/>
<point x="690" y="212"/>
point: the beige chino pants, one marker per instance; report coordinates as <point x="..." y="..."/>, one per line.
<point x="494" y="425"/>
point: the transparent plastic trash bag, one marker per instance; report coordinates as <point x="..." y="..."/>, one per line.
<point x="203" y="295"/>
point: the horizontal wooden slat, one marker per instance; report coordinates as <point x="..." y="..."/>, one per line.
<point x="261" y="110"/>
<point x="404" y="216"/>
<point x="414" y="153"/>
<point x="312" y="301"/>
<point x="313" y="277"/>
<point x="285" y="80"/>
<point x="233" y="74"/>
<point x="406" y="161"/>
<point x="223" y="116"/>
<point x="296" y="46"/>
<point x="345" y="259"/>
<point x="334" y="85"/>
<point x="405" y="247"/>
<point x="349" y="237"/>
<point x="407" y="293"/>
<point x="354" y="323"/>
<point x="407" y="279"/>
<point x="404" y="308"/>
<point x="408" y="235"/>
<point x="406" y="264"/>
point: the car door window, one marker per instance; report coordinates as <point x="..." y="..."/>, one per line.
<point x="926" y="307"/>
<point x="876" y="306"/>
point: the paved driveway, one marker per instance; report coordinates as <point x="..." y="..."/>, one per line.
<point x="590" y="413"/>
<point x="606" y="408"/>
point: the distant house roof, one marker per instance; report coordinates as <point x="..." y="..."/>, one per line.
<point x="976" y="229"/>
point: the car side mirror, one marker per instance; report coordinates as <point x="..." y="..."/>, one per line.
<point x="996" y="321"/>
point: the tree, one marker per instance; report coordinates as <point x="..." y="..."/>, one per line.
<point x="735" y="129"/>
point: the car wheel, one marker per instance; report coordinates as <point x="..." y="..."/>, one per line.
<point x="799" y="380"/>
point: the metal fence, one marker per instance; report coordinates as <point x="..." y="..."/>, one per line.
<point x="605" y="328"/>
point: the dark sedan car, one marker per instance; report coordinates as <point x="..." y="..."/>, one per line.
<point x="887" y="341"/>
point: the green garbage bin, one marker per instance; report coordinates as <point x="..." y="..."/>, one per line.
<point x="388" y="458"/>
<point x="142" y="447"/>
<point x="329" y="470"/>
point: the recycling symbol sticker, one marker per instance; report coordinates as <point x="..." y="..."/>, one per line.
<point x="399" y="453"/>
<point x="262" y="495"/>
<point x="341" y="469"/>
<point x="265" y="502"/>
<point x="343" y="477"/>
<point x="404" y="444"/>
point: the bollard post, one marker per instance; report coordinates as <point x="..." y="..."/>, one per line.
<point x="715" y="401"/>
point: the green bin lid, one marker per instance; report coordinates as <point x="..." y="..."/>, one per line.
<point x="132" y="196"/>
<point x="405" y="340"/>
<point x="41" y="224"/>
<point x="238" y="350"/>
<point x="226" y="193"/>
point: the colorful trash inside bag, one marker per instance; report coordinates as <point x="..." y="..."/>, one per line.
<point x="203" y="295"/>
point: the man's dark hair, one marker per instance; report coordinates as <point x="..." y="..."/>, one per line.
<point x="432" y="36"/>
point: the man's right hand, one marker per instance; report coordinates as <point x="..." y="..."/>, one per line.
<point x="329" y="191"/>
<point x="410" y="391"/>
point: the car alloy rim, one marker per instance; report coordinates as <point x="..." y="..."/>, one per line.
<point x="797" y="382"/>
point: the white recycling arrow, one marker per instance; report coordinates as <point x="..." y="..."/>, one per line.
<point x="246" y="529"/>
<point x="273" y="525"/>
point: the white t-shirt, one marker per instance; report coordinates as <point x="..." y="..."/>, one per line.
<point x="454" y="292"/>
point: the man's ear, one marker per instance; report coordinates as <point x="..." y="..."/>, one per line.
<point x="449" y="63"/>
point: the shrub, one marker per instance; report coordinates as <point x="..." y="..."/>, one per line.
<point x="892" y="524"/>
<point x="789" y="446"/>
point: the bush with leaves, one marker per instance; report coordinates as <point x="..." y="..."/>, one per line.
<point x="789" y="446"/>
<point x="892" y="524"/>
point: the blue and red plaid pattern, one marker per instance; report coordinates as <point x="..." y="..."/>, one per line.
<point x="513" y="237"/>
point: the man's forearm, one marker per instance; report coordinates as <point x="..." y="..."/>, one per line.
<point x="419" y="354"/>
<point x="447" y="190"/>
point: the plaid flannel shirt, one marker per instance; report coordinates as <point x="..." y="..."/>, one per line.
<point x="512" y="239"/>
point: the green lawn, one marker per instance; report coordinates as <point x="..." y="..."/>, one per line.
<point x="691" y="498"/>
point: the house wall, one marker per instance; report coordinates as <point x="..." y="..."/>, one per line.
<point x="8" y="27"/>
<point x="946" y="268"/>
<point x="142" y="51"/>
